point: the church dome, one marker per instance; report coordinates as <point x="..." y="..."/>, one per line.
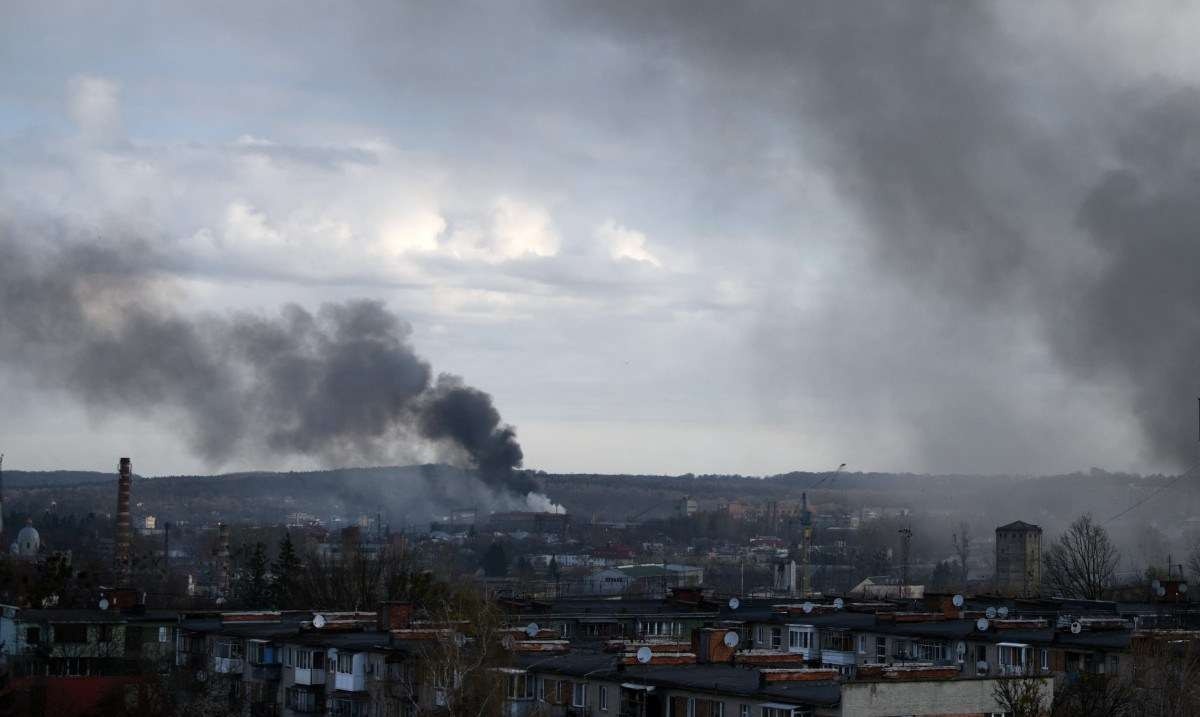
<point x="28" y="541"/>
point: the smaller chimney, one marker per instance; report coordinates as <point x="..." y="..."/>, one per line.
<point x="394" y="615"/>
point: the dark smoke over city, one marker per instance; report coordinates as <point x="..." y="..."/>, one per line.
<point x="341" y="384"/>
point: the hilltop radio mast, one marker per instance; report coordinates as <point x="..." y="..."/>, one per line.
<point x="905" y="545"/>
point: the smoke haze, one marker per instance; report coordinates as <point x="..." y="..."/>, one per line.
<point x="950" y="237"/>
<point x="342" y="384"/>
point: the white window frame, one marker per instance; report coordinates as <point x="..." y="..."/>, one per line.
<point x="602" y="697"/>
<point x="579" y="694"/>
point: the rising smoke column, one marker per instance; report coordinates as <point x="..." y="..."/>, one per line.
<point x="342" y="384"/>
<point x="994" y="175"/>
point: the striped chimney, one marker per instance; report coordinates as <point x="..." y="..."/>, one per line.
<point x="221" y="567"/>
<point x="121" y="560"/>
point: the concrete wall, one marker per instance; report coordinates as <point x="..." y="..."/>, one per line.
<point x="946" y="697"/>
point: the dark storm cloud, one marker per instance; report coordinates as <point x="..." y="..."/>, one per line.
<point x="343" y="383"/>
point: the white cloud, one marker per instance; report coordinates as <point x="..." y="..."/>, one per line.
<point x="625" y="243"/>
<point x="415" y="232"/>
<point x="94" y="104"/>
<point x="520" y="229"/>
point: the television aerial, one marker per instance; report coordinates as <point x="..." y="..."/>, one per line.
<point x="981" y="624"/>
<point x="731" y="639"/>
<point x="644" y="654"/>
<point x="734" y="603"/>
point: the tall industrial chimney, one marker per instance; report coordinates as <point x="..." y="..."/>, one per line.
<point x="121" y="561"/>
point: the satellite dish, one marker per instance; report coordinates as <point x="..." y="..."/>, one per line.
<point x="644" y="654"/>
<point x="201" y="675"/>
<point x="838" y="603"/>
<point x="1182" y="587"/>
<point x="990" y="613"/>
<point x="731" y="639"/>
<point x="1003" y="612"/>
<point x="1155" y="584"/>
<point x="318" y="621"/>
<point x="1076" y="627"/>
<point x="734" y="603"/>
<point x="957" y="600"/>
<point x="532" y="629"/>
<point x="961" y="649"/>
<point x="807" y="607"/>
<point x="981" y="624"/>
<point x="1161" y="591"/>
<point x="103" y="603"/>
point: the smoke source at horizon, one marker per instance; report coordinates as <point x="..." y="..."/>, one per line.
<point x="341" y="384"/>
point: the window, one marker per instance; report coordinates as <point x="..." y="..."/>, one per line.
<point x="230" y="649"/>
<point x="603" y="697"/>
<point x="164" y="634"/>
<point x="345" y="663"/>
<point x="881" y="649"/>
<point x="659" y="628"/>
<point x="301" y="700"/>
<point x="793" y="639"/>
<point x="105" y="633"/>
<point x="309" y="660"/>
<point x="862" y="645"/>
<point x="926" y="650"/>
<point x="744" y="711"/>
<point x="776" y="638"/>
<point x="837" y="641"/>
<point x="520" y="687"/>
<point x="1045" y="659"/>
<point x="343" y="707"/>
<point x="542" y="689"/>
<point x="578" y="694"/>
<point x="33" y="635"/>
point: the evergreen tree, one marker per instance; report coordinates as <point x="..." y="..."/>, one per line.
<point x="254" y="589"/>
<point x="285" y="589"/>
<point x="495" y="561"/>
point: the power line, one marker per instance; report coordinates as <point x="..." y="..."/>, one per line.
<point x="1170" y="483"/>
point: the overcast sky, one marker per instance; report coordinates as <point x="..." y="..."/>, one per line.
<point x="667" y="237"/>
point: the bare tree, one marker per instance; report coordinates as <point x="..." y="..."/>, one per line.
<point x="1093" y="694"/>
<point x="962" y="547"/>
<point x="1021" y="696"/>
<point x="1082" y="562"/>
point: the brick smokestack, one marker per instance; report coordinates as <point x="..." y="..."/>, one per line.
<point x="124" y="535"/>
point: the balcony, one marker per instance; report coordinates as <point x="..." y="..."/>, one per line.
<point x="349" y="681"/>
<point x="302" y="676"/>
<point x="227" y="665"/>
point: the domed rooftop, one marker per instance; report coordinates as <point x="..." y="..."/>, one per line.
<point x="28" y="540"/>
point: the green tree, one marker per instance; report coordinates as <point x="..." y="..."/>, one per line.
<point x="254" y="587"/>
<point x="287" y="570"/>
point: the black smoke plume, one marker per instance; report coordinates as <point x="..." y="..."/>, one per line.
<point x="341" y="384"/>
